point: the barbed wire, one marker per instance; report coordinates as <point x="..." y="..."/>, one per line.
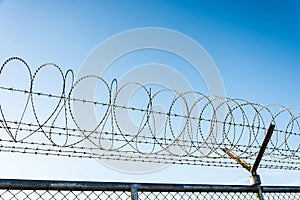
<point x="165" y="126"/>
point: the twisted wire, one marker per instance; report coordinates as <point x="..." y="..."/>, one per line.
<point x="192" y="128"/>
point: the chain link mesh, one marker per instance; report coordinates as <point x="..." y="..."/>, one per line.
<point x="125" y="195"/>
<point x="195" y="195"/>
<point x="282" y="196"/>
<point x="62" y="195"/>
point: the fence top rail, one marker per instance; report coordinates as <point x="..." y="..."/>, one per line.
<point x="281" y="189"/>
<point x="21" y="184"/>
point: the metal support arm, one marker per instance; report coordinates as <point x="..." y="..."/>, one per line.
<point x="254" y="178"/>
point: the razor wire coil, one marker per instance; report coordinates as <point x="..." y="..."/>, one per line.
<point x="207" y="124"/>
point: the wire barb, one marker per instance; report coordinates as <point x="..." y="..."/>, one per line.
<point x="192" y="128"/>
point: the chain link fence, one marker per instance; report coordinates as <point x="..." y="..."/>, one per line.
<point x="65" y="190"/>
<point x="52" y="194"/>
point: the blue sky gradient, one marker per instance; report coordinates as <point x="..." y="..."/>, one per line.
<point x="255" y="44"/>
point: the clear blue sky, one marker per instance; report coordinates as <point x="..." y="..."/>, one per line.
<point x="255" y="44"/>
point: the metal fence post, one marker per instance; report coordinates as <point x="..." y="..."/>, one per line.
<point x="255" y="181"/>
<point x="134" y="193"/>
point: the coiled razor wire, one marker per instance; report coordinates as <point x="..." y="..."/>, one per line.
<point x="192" y="128"/>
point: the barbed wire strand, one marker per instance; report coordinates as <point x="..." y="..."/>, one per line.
<point x="207" y="124"/>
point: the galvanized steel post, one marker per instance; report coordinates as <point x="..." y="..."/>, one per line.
<point x="134" y="192"/>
